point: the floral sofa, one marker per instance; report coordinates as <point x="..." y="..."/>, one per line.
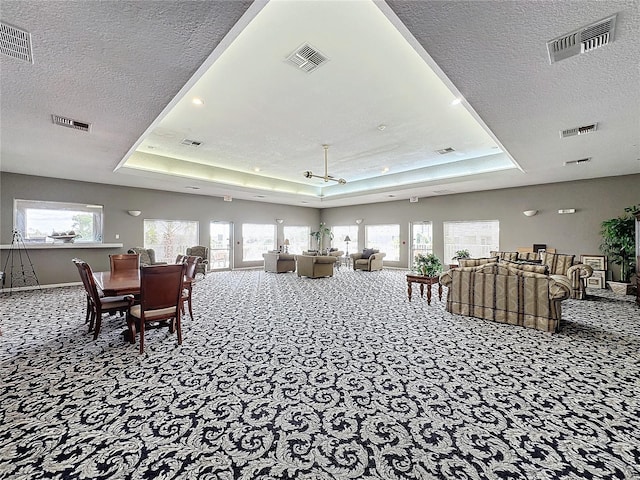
<point x="508" y="293"/>
<point x="558" y="265"/>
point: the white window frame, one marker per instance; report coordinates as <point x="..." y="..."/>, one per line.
<point x="420" y="247"/>
<point x="390" y="248"/>
<point x="187" y="236"/>
<point x="471" y="235"/>
<point x="253" y="252"/>
<point x="299" y="237"/>
<point x="46" y="227"/>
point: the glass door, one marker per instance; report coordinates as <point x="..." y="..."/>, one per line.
<point x="220" y="249"/>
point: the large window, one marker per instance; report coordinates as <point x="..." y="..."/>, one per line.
<point x="41" y="221"/>
<point x="421" y="239"/>
<point x="385" y="238"/>
<point x="257" y="239"/>
<point x="170" y="237"/>
<point x="298" y="237"/>
<point x="340" y="232"/>
<point x="479" y="237"/>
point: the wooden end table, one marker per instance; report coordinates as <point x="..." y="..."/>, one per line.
<point x="423" y="280"/>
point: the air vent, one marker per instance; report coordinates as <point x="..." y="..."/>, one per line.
<point x="571" y="132"/>
<point x="68" y="122"/>
<point x="444" y="151"/>
<point x="582" y="161"/>
<point x="191" y="143"/>
<point x="583" y="40"/>
<point x="15" y="43"/>
<point x="306" y="58"/>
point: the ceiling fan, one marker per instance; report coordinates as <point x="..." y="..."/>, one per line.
<point x="326" y="177"/>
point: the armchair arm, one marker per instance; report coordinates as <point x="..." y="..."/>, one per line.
<point x="559" y="287"/>
<point x="581" y="270"/>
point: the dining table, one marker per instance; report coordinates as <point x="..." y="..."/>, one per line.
<point x="122" y="282"/>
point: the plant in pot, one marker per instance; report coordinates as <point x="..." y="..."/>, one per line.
<point x="461" y="254"/>
<point x="618" y="245"/>
<point x="428" y="265"/>
<point x="320" y="234"/>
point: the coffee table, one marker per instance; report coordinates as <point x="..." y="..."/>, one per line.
<point x="423" y="280"/>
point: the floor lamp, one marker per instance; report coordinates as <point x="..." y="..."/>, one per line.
<point x="347" y="240"/>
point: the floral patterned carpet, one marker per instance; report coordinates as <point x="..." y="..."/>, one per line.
<point x="281" y="377"/>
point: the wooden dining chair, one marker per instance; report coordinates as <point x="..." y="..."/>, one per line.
<point x="191" y="261"/>
<point x="99" y="305"/>
<point x="161" y="289"/>
<point x="180" y="259"/>
<point x="124" y="261"/>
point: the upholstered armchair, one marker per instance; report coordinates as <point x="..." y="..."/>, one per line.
<point x="279" y="262"/>
<point x="203" y="253"/>
<point x="147" y="256"/>
<point x="562" y="265"/>
<point x="369" y="260"/>
<point x="314" y="266"/>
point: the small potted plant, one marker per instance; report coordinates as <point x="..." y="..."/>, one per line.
<point x="427" y="265"/>
<point x="461" y="254"/>
<point x="618" y="244"/>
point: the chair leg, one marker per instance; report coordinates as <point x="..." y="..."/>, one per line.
<point x="142" y="322"/>
<point x="86" y="320"/>
<point x="96" y="330"/>
<point x="179" y="330"/>
<point x="132" y="329"/>
<point x="190" y="307"/>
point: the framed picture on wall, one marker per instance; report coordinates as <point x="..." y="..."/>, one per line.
<point x="597" y="262"/>
<point x="597" y="280"/>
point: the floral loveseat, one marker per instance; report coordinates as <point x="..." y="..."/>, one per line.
<point x="558" y="265"/>
<point x="507" y="293"/>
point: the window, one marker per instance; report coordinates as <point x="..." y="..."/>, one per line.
<point x="298" y="237"/>
<point x="339" y="234"/>
<point x="421" y="239"/>
<point x="170" y="237"/>
<point x="256" y="240"/>
<point x="385" y="238"/>
<point x="479" y="237"/>
<point x="38" y="220"/>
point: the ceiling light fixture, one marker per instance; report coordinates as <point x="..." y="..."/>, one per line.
<point x="197" y="101"/>
<point x="456" y="101"/>
<point x="326" y="177"/>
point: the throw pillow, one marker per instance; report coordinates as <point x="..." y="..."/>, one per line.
<point x="367" y="252"/>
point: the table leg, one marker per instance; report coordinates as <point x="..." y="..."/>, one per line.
<point x="439" y="291"/>
<point x="422" y="290"/>
<point x="429" y="294"/>
<point x="409" y="289"/>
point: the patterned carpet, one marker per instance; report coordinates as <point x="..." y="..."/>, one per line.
<point x="281" y="377"/>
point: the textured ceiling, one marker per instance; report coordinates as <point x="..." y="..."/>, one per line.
<point x="130" y="69"/>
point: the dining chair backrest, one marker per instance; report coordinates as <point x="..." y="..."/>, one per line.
<point x="192" y="264"/>
<point x="161" y="287"/>
<point x="124" y="261"/>
<point x="86" y="275"/>
<point x="180" y="258"/>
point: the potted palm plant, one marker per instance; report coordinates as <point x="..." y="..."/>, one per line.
<point x="618" y="244"/>
<point x="427" y="265"/>
<point x="319" y="235"/>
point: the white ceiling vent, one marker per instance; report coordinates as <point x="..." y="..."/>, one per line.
<point x="444" y="151"/>
<point x="68" y="122"/>
<point x="15" y="43"/>
<point x="582" y="161"/>
<point x="582" y="40"/>
<point x="191" y="143"/>
<point x="571" y="132"/>
<point x="306" y="58"/>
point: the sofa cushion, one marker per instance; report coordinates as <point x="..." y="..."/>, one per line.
<point x="367" y="252"/>
<point x="528" y="256"/>
<point x="526" y="267"/>
<point x="558" y="263"/>
<point x="473" y="262"/>
<point x="505" y="255"/>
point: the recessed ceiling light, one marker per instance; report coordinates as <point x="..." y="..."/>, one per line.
<point x="256" y="169"/>
<point x="391" y="196"/>
<point x="192" y="187"/>
<point x="304" y="202"/>
<point x="382" y="126"/>
<point x="385" y="169"/>
<point x="260" y="196"/>
<point x="456" y="101"/>
<point x="197" y="101"/>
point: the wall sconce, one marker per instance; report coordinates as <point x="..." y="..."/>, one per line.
<point x="134" y="213"/>
<point x="530" y="213"/>
<point x="286" y="245"/>
<point x="359" y="220"/>
<point x="279" y="221"/>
